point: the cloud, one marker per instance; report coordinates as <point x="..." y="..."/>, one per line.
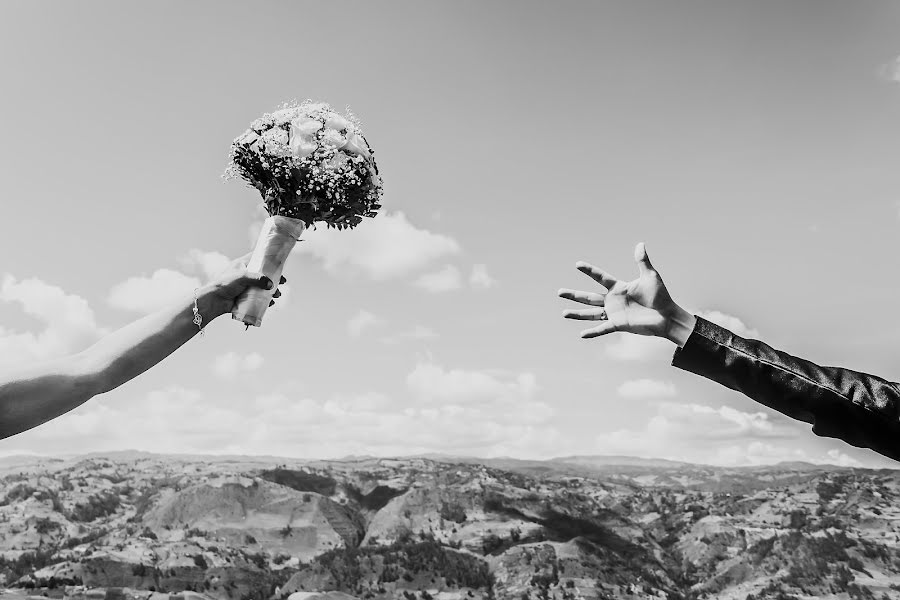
<point x="445" y="280"/>
<point x="720" y="436"/>
<point x="432" y="383"/>
<point x="646" y="388"/>
<point x="419" y="332"/>
<point x="733" y="324"/>
<point x="386" y="247"/>
<point x="480" y="278"/>
<point x="890" y="71"/>
<point x="166" y="286"/>
<point x="148" y="294"/>
<point x="482" y="413"/>
<point x="232" y="364"/>
<point x="67" y="320"/>
<point x="626" y="346"/>
<point x="211" y="264"/>
<point x="362" y="321"/>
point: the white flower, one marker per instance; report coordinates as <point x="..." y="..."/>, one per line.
<point x="303" y="132"/>
<point x="338" y="122"/>
<point x="332" y="137"/>
<point x="277" y="135"/>
<point x="356" y="145"/>
<point x="284" y="115"/>
<point x="301" y="146"/>
<point x="305" y="125"/>
<point x="338" y="160"/>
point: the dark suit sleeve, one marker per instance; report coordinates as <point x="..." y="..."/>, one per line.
<point x="863" y="410"/>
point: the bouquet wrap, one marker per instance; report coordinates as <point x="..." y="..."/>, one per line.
<point x="310" y="164"/>
<point x="275" y="242"/>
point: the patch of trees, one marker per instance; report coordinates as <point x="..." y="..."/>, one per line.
<point x="827" y="490"/>
<point x="377" y="498"/>
<point x="45" y="526"/>
<point x="404" y="560"/>
<point x="97" y="506"/>
<point x="451" y="511"/>
<point x="301" y="481"/>
<point x="27" y="562"/>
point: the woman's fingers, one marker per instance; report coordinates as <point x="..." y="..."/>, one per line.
<point x="586" y="314"/>
<point x="283" y="279"/>
<point x="601" y="329"/>
<point x="598" y="275"/>
<point x="277" y="294"/>
<point x="590" y="298"/>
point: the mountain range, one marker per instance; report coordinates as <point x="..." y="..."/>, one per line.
<point x="133" y="525"/>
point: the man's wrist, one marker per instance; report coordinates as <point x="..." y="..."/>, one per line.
<point x="679" y="326"/>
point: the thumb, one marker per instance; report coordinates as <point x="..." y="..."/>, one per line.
<point x="642" y="259"/>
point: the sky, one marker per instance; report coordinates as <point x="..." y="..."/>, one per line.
<point x="752" y="145"/>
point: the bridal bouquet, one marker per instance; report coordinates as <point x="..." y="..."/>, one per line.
<point x="310" y="164"/>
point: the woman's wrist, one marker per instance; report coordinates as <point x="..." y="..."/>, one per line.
<point x="210" y="303"/>
<point x="679" y="326"/>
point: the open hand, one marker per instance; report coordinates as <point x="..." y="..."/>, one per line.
<point x="642" y="306"/>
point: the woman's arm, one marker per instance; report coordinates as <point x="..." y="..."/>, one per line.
<point x="38" y="393"/>
<point x="861" y="409"/>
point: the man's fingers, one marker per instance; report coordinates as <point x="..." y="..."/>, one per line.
<point x="598" y="275"/>
<point x="586" y="314"/>
<point x="601" y="329"/>
<point x="583" y="297"/>
<point x="642" y="259"/>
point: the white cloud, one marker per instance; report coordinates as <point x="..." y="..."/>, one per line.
<point x="362" y="321"/>
<point x="890" y="71"/>
<point x="483" y="413"/>
<point x="232" y="364"/>
<point x="385" y="247"/>
<point x="445" y="280"/>
<point x="68" y="322"/>
<point x="732" y="323"/>
<point x="212" y="264"/>
<point x="626" y="346"/>
<point x="480" y="278"/>
<point x="419" y="332"/>
<point x="646" y="388"/>
<point x="432" y="383"/>
<point x="147" y="294"/>
<point x="721" y="436"/>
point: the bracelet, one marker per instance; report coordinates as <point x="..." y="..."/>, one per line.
<point x="198" y="320"/>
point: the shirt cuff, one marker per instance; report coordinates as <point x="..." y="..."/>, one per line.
<point x="705" y="337"/>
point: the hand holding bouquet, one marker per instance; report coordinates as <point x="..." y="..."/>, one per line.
<point x="310" y="164"/>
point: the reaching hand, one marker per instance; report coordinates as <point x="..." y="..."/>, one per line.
<point x="234" y="280"/>
<point x="642" y="306"/>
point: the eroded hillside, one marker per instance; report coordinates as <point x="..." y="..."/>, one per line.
<point x="411" y="529"/>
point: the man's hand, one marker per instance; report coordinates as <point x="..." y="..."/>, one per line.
<point x="642" y="306"/>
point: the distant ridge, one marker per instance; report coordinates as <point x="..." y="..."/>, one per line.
<point x="581" y="461"/>
<point x="626" y="461"/>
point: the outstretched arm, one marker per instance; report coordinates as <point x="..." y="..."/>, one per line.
<point x="861" y="409"/>
<point x="38" y="393"/>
